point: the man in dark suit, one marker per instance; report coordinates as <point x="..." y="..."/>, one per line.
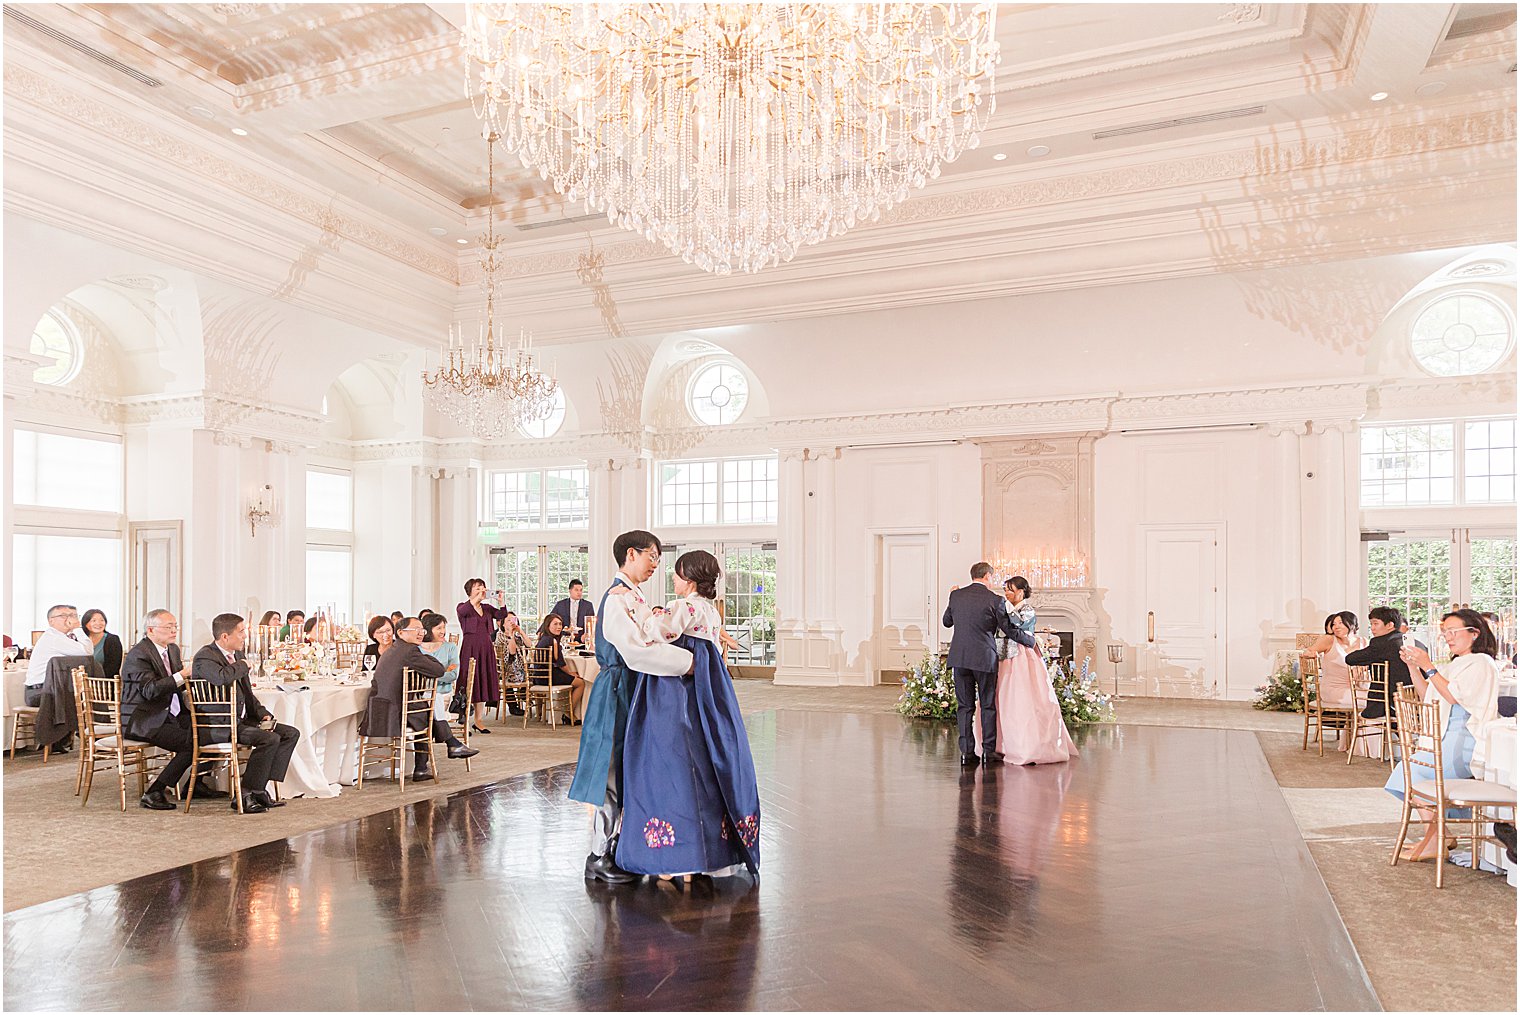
<point x="1385" y="623"/>
<point x="153" y="704"/>
<point x="976" y="613"/>
<point x="221" y="664"/>
<point x="574" y="610"/>
<point x="383" y="715"/>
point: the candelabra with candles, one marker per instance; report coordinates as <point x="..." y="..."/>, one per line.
<point x="1044" y="570"/>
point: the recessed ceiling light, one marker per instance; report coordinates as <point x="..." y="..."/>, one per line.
<point x="239" y="131"/>
<point x="438" y="231"/>
<point x="462" y="241"/>
<point x="1379" y="96"/>
<point x="202" y="112"/>
<point x="446" y="129"/>
<point x="999" y="157"/>
<point x="1431" y="88"/>
<point x="1039" y="151"/>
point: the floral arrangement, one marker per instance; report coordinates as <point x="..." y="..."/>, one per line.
<point x="928" y="691"/>
<point x="1283" y="691"/>
<point x="1077" y="690"/>
<point x="351" y="634"/>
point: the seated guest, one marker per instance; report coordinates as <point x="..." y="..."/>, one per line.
<point x="221" y="664"/>
<point x="271" y="618"/>
<point x="512" y="650"/>
<point x="549" y="633"/>
<point x="153" y="704"/>
<point x="293" y="622"/>
<point x="1386" y="644"/>
<point x="450" y="693"/>
<point x="63" y="637"/>
<point x="1334" y="674"/>
<point x="574" y="610"/>
<point x="382" y="718"/>
<point x="107" y="645"/>
<point x="1469" y="683"/>
<point x="396" y="616"/>
<point x="309" y="631"/>
<point x="382" y="634"/>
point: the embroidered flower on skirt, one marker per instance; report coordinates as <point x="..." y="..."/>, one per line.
<point x="658" y="833"/>
<point x="749" y="830"/>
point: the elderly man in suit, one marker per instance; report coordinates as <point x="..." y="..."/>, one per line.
<point x="383" y="717"/>
<point x="153" y="704"/>
<point x="221" y="664"/>
<point x="976" y="612"/>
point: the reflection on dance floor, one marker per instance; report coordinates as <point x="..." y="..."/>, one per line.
<point x="1159" y="870"/>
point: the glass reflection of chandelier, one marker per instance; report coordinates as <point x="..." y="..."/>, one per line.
<point x="734" y="134"/>
<point x="482" y="385"/>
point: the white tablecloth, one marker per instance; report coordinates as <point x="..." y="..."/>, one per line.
<point x="1499" y="766"/>
<point x="583" y="666"/>
<point x="327" y="756"/>
<point x="15" y="694"/>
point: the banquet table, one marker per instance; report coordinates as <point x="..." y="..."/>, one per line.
<point x="14" y="695"/>
<point x="327" y="713"/>
<point x="585" y="667"/>
<point x="1499" y="766"/>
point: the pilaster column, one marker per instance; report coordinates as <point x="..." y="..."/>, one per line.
<point x="791" y="501"/>
<point x="424" y="541"/>
<point x="822" y="551"/>
<point x="604" y="496"/>
<point x="1290" y="608"/>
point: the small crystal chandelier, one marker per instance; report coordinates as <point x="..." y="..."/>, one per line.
<point x="734" y="134"/>
<point x="482" y="385"/>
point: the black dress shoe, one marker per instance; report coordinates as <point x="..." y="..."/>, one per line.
<point x="264" y="798"/>
<point x="481" y="729"/>
<point x="990" y="758"/>
<point x="970" y="760"/>
<point x="206" y="791"/>
<point x="251" y="804"/>
<point x="515" y="709"/>
<point x="154" y="800"/>
<point x="426" y="775"/>
<point x="462" y="752"/>
<point x="604" y="868"/>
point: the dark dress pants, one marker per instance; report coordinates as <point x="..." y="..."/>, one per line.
<point x="973" y="687"/>
<point x="270" y="759"/>
<point x="173" y="735"/>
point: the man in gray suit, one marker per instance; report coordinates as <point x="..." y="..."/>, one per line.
<point x="977" y="613"/>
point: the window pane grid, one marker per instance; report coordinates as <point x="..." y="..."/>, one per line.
<point x="1413" y="576"/>
<point x="516" y="575"/>
<point x="689" y="493"/>
<point x="739" y="491"/>
<point x="1412" y="464"/>
<point x="539" y="499"/>
<point x="1491" y="575"/>
<point x="1489" y="461"/>
<point x="567" y="499"/>
<point x="749" y="600"/>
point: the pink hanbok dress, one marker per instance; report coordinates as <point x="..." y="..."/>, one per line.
<point x="1030" y="730"/>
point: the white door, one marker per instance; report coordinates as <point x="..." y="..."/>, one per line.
<point x="1184" y="583"/>
<point x="155" y="572"/>
<point x="906" y="626"/>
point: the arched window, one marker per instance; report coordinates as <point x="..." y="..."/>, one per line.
<point x="1462" y="333"/>
<point x="550" y="424"/>
<point x="56" y="338"/>
<point x="717" y="394"/>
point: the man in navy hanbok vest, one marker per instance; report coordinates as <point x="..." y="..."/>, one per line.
<point x="622" y="652"/>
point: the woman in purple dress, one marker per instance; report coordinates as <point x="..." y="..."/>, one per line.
<point x="477" y="619"/>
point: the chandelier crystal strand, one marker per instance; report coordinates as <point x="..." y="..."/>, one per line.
<point x="483" y="386"/>
<point x="733" y="134"/>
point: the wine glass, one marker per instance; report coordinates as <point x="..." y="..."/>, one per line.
<point x="369" y="664"/>
<point x="11" y="652"/>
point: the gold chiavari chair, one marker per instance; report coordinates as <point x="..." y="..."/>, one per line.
<point x="513" y="680"/>
<point x="1369" y="684"/>
<point x="1419" y="729"/>
<point x="1308" y="670"/>
<point x="417" y="694"/>
<point x="1331" y="717"/>
<point x="213" y="717"/>
<point x="349" y="654"/>
<point x="541" y="667"/>
<point x="102" y="742"/>
<point x="24" y="724"/>
<point x="461" y="724"/>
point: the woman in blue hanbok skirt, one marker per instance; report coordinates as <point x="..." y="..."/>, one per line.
<point x="691" y="804"/>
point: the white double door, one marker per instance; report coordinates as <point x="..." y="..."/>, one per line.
<point x="1182" y="568"/>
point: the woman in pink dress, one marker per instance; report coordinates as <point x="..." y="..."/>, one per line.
<point x="1340" y="638"/>
<point x="1030" y="729"/>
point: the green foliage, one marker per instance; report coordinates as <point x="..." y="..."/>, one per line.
<point x="928" y="691"/>
<point x="1284" y="692"/>
<point x="1077" y="690"/>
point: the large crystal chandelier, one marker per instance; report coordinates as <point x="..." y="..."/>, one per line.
<point x="734" y="134"/>
<point x="480" y="383"/>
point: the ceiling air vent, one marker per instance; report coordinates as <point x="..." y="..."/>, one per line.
<point x="547" y="223"/>
<point x="1181" y="121"/>
<point x="11" y="14"/>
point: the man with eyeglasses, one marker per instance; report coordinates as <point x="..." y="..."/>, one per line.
<point x="63" y="637"/>
<point x="153" y="704"/>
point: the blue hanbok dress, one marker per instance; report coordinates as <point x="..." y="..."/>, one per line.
<point x="691" y="803"/>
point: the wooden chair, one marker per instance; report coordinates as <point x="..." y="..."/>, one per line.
<point x="515" y="681"/>
<point x="349" y="654"/>
<point x="214" y="714"/>
<point x="1420" y="728"/>
<point x="24" y="724"/>
<point x="418" y="690"/>
<point x="102" y="742"/>
<point x="1336" y="717"/>
<point x="541" y="667"/>
<point x="1368" y="684"/>
<point x="461" y="725"/>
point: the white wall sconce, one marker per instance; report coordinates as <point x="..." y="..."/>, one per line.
<point x="261" y="509"/>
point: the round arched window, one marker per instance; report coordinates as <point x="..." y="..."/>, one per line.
<point x="717" y="394"/>
<point x="1462" y="333"/>
<point x="56" y="338"/>
<point x="550" y="424"/>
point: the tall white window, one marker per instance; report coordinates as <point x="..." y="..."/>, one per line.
<point x="330" y="581"/>
<point x="51" y="569"/>
<point x="329" y="500"/>
<point x="1440" y="463"/>
<point x="538" y="499"/>
<point x="61" y="471"/>
<point x="732" y="491"/>
<point x="330" y="543"/>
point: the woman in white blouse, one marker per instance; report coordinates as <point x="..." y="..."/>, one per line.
<point x="1470" y="685"/>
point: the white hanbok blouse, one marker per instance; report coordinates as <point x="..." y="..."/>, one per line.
<point x="693" y="615"/>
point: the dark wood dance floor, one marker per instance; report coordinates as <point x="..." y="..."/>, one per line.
<point x="1160" y="870"/>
